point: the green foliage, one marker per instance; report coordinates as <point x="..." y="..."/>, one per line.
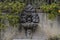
<point x="13" y="19"/>
<point x="10" y="11"/>
<point x="12" y="7"/>
<point x="51" y="9"/>
<point x="2" y="26"/>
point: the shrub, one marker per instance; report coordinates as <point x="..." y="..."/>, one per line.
<point x="51" y="9"/>
<point x="10" y="11"/>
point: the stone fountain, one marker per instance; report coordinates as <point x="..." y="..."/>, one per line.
<point x="29" y="20"/>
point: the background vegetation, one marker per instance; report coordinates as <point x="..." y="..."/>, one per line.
<point x="52" y="10"/>
<point x="10" y="10"/>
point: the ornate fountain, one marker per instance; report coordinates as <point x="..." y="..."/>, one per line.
<point x="29" y="20"/>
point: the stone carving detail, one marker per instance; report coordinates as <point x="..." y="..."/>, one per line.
<point x="32" y="17"/>
<point x="29" y="15"/>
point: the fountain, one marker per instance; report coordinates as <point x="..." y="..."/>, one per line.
<point x="29" y="20"/>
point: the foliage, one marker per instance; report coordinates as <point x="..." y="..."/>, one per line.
<point x="51" y="9"/>
<point x="2" y="26"/>
<point x="55" y="37"/>
<point x="13" y="19"/>
<point x="10" y="11"/>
